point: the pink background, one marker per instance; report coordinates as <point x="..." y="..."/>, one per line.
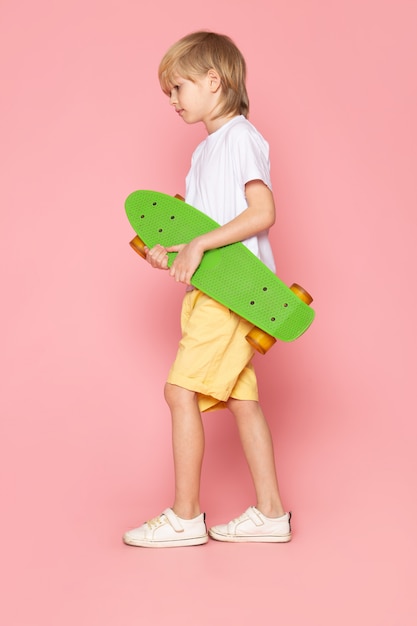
<point x="89" y="331"/>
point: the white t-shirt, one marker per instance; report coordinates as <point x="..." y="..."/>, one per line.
<point x="221" y="165"/>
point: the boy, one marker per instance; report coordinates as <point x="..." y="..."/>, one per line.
<point x="203" y="75"/>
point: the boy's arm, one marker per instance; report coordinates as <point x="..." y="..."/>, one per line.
<point x="259" y="216"/>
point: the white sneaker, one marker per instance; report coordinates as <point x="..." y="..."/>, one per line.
<point x="168" y="531"/>
<point x="252" y="525"/>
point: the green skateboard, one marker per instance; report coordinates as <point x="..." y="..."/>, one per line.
<point x="232" y="275"/>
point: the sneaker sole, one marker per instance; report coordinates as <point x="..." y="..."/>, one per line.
<point x="180" y="543"/>
<point x="250" y="538"/>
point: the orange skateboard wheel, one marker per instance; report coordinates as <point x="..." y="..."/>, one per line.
<point x="138" y="246"/>
<point x="260" y="340"/>
<point x="301" y="293"/>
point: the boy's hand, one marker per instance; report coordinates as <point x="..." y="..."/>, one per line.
<point x="157" y="257"/>
<point x="187" y="260"/>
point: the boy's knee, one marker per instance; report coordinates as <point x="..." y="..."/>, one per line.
<point x="169" y="393"/>
<point x="175" y="395"/>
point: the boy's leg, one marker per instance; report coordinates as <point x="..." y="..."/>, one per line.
<point x="258" y="448"/>
<point x="267" y="522"/>
<point x="183" y="524"/>
<point x="188" y="449"/>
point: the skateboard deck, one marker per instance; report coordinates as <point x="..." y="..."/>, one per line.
<point x="232" y="275"/>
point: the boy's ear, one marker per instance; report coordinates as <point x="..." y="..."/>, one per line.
<point x="214" y="80"/>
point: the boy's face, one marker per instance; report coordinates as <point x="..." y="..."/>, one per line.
<point x="196" y="100"/>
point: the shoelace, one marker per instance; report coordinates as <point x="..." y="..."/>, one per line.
<point x="154" y="522"/>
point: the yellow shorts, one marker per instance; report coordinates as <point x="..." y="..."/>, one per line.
<point x="213" y="358"/>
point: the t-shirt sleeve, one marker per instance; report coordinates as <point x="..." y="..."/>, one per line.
<point x="252" y="159"/>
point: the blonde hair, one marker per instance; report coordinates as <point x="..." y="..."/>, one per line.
<point x="195" y="54"/>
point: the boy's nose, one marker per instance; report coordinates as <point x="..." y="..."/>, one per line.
<point x="173" y="97"/>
